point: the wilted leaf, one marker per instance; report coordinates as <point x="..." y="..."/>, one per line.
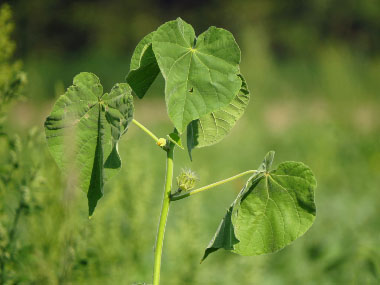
<point x="144" y="68"/>
<point x="83" y="131"/>
<point x="213" y="127"/>
<point x="274" y="208"/>
<point x="201" y="74"/>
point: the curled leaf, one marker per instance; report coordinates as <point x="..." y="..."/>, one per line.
<point x="144" y="68"/>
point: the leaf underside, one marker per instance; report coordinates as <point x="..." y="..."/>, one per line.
<point x="212" y="128"/>
<point x="83" y="131"/>
<point x="201" y="74"/>
<point x="274" y="208"/>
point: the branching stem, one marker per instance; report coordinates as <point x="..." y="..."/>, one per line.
<point x="145" y="129"/>
<point x="179" y="196"/>
<point x="164" y="215"/>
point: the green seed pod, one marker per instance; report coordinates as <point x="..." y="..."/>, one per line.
<point x="186" y="180"/>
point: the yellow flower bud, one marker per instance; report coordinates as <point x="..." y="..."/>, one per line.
<point x="161" y="142"/>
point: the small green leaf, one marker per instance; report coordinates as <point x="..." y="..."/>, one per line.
<point x="175" y="138"/>
<point x="144" y="68"/>
<point x="212" y="128"/>
<point x="201" y="74"/>
<point x="274" y="208"/>
<point x="83" y="131"/>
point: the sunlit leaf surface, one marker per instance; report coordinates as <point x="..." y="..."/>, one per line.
<point x="201" y="73"/>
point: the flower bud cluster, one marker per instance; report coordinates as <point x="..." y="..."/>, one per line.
<point x="186" y="180"/>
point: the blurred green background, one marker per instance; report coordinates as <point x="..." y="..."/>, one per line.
<point x="313" y="68"/>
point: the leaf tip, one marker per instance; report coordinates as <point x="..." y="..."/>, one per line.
<point x="91" y="206"/>
<point x="204" y="257"/>
<point x="190" y="155"/>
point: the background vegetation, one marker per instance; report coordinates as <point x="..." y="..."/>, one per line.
<point x="313" y="69"/>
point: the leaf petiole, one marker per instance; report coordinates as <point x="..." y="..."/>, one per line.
<point x="179" y="196"/>
<point x="145" y="129"/>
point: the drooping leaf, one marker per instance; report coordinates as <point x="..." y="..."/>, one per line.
<point x="144" y="68"/>
<point x="224" y="238"/>
<point x="201" y="74"/>
<point x="212" y="128"/>
<point x="274" y="208"/>
<point x="83" y="131"/>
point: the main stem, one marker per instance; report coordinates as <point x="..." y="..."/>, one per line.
<point x="164" y="215"/>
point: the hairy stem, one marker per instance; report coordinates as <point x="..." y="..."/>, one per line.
<point x="145" y="129"/>
<point x="179" y="196"/>
<point x="164" y="215"/>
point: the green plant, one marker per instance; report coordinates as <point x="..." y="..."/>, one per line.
<point x="205" y="95"/>
<point x="12" y="79"/>
<point x="13" y="188"/>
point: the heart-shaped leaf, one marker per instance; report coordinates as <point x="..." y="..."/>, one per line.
<point x="83" y="131"/>
<point x="201" y="74"/>
<point x="144" y="68"/>
<point x="212" y="128"/>
<point x="274" y="208"/>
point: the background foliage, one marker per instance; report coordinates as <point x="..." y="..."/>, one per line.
<point x="312" y="68"/>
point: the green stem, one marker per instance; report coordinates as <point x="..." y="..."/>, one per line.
<point x="141" y="126"/>
<point x="164" y="215"/>
<point x="179" y="196"/>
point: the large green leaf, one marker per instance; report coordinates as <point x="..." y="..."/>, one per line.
<point x="212" y="128"/>
<point x="201" y="74"/>
<point x="144" y="68"/>
<point x="274" y="208"/>
<point x="83" y="131"/>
